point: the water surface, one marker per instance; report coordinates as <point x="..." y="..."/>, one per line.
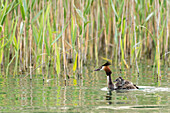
<point x="85" y="94"/>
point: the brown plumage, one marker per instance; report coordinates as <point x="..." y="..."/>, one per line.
<point x="106" y="68"/>
<point x="124" y="84"/>
<point x="120" y="82"/>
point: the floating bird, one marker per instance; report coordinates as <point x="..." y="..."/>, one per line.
<point x="124" y="84"/>
<point x="120" y="82"/>
<point x="106" y="68"/>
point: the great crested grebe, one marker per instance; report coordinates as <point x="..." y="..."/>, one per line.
<point x="124" y="84"/>
<point x="106" y="68"/>
<point x="120" y="82"/>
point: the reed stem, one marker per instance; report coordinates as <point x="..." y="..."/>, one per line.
<point x="30" y="40"/>
<point x="112" y="29"/>
<point x="134" y="30"/>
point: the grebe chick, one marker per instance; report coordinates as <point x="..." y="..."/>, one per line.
<point x="124" y="84"/>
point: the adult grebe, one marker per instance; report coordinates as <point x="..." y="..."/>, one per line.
<point x="120" y="82"/>
<point x="106" y="68"/>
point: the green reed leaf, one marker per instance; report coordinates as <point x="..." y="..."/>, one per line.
<point x="121" y="8"/>
<point x="75" y="63"/>
<point x="60" y="34"/>
<point x="149" y="16"/>
<point x="2" y="14"/>
<point x="13" y="35"/>
<point x="113" y="7"/>
<point x="80" y="13"/>
<point x="57" y="59"/>
<point x="35" y="17"/>
<point x="1" y="50"/>
<point x="88" y="6"/>
<point x="35" y="34"/>
<point x="22" y="9"/>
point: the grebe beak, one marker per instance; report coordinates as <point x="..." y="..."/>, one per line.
<point x="100" y="68"/>
<point x="97" y="69"/>
<point x="115" y="81"/>
<point x="103" y="67"/>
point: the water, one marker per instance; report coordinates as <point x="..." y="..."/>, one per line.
<point x="88" y="94"/>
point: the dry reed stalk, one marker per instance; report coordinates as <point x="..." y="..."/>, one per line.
<point x="86" y="42"/>
<point x="43" y="43"/>
<point x="18" y="42"/>
<point x="148" y="39"/>
<point x="109" y="15"/>
<point x="113" y="32"/>
<point x="69" y="29"/>
<point x="72" y="9"/>
<point x="52" y="15"/>
<point x="109" y="33"/>
<point x="130" y="40"/>
<point x="82" y="40"/>
<point x="20" y="56"/>
<point x="167" y="30"/>
<point x="25" y="47"/>
<point x="43" y="39"/>
<point x="96" y="39"/>
<point x="34" y="44"/>
<point x="74" y="26"/>
<point x="79" y="51"/>
<point x="2" y="54"/>
<point x="105" y="30"/>
<point x="157" y="35"/>
<point x="30" y="40"/>
<point x="134" y="31"/>
<point x="161" y="27"/>
<point x="106" y="41"/>
<point x="63" y="39"/>
<point x="57" y="29"/>
<point x="20" y="47"/>
<point x="119" y="52"/>
<point x="52" y="49"/>
<point x="91" y="28"/>
<point x="126" y="29"/>
<point x="100" y="22"/>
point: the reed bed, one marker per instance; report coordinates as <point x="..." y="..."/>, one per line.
<point x="37" y="35"/>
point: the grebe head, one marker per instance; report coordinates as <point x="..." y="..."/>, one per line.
<point x="105" y="67"/>
<point x="120" y="80"/>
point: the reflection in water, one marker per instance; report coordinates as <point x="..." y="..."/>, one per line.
<point x="109" y="97"/>
<point x="82" y="94"/>
<point x="64" y="101"/>
<point x="31" y="94"/>
<point x="120" y="97"/>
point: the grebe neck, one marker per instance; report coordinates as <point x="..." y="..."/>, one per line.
<point x="109" y="82"/>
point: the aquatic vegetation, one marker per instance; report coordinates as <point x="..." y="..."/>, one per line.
<point x="54" y="33"/>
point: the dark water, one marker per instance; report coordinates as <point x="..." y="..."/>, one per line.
<point x="87" y="93"/>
